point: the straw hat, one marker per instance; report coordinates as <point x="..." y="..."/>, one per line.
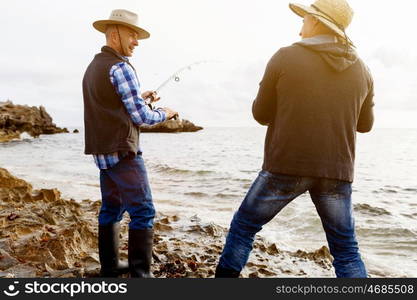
<point x="334" y="14"/>
<point x="125" y="18"/>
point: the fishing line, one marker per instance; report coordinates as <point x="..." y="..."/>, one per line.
<point x="175" y="76"/>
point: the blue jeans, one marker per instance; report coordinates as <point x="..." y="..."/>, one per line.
<point x="270" y="193"/>
<point x="125" y="187"/>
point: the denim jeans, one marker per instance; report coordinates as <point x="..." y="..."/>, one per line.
<point x="270" y="193"/>
<point x="125" y="187"/>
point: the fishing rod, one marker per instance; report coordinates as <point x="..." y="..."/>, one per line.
<point x="175" y="77"/>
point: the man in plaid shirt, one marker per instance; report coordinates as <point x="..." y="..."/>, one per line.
<point x="125" y="82"/>
<point x="114" y="109"/>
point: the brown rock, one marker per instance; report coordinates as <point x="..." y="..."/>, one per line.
<point x="266" y="272"/>
<point x="56" y="237"/>
<point x="162" y="227"/>
<point x="272" y="250"/>
<point x="6" y="261"/>
<point x="41" y="232"/>
<point x="321" y="256"/>
<point x="171" y="126"/>
<point x="16" y="119"/>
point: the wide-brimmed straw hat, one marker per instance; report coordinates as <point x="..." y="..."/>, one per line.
<point x="334" y="14"/>
<point x="125" y="18"/>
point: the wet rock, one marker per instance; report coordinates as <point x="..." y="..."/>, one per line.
<point x="162" y="227"/>
<point x="171" y="126"/>
<point x="321" y="256"/>
<point x="251" y="264"/>
<point x="16" y="119"/>
<point x="266" y="272"/>
<point x="22" y="271"/>
<point x="254" y="275"/>
<point x="6" y="261"/>
<point x="9" y="182"/>
<point x="195" y="219"/>
<point x="209" y="229"/>
<point x="42" y="231"/>
<point x="55" y="237"/>
<point x="272" y="250"/>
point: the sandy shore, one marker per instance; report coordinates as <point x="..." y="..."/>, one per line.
<point x="43" y="235"/>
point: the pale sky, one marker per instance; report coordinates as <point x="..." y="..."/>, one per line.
<point x="47" y="45"/>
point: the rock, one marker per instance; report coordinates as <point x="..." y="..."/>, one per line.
<point x="43" y="235"/>
<point x="21" y="271"/>
<point x="162" y="227"/>
<point x="273" y="250"/>
<point x="208" y="229"/>
<point x="321" y="256"/>
<point x="195" y="219"/>
<point x="6" y="261"/>
<point x="10" y="182"/>
<point x="171" y="126"/>
<point x="254" y="275"/>
<point x="16" y="119"/>
<point x="76" y="131"/>
<point x="267" y="272"/>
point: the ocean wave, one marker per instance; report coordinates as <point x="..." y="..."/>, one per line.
<point x="395" y="233"/>
<point x="91" y="184"/>
<point x="196" y="194"/>
<point x="385" y="191"/>
<point x="249" y="171"/>
<point x="171" y="170"/>
<point x="394" y="190"/>
<point x="371" y="210"/>
<point x="412" y="190"/>
<point x="224" y="195"/>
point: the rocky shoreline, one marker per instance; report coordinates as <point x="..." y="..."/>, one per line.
<point x="171" y="126"/>
<point x="43" y="235"/>
<point x="17" y="119"/>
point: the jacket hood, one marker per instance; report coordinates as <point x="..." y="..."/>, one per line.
<point x="334" y="54"/>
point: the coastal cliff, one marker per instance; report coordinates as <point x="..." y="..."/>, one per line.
<point x="17" y="119"/>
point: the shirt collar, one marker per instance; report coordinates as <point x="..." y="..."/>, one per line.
<point x="319" y="39"/>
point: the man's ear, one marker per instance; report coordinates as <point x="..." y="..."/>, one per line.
<point x="316" y="21"/>
<point x="114" y="36"/>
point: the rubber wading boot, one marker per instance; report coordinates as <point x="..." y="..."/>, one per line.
<point x="140" y="252"/>
<point x="226" y="273"/>
<point x="108" y="250"/>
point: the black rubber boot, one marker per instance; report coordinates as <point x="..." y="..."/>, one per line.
<point x="108" y="250"/>
<point x="140" y="252"/>
<point x="226" y="273"/>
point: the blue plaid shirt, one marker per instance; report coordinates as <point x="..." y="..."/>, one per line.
<point x="124" y="79"/>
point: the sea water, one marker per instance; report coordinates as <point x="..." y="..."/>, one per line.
<point x="207" y="174"/>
